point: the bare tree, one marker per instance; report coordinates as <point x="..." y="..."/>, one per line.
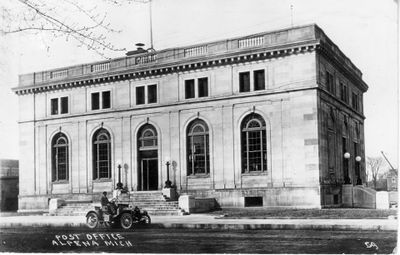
<point x="67" y="18"/>
<point x="374" y="165"/>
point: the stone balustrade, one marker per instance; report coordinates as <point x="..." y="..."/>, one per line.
<point x="281" y="38"/>
<point x="196" y="51"/>
<point x="251" y="42"/>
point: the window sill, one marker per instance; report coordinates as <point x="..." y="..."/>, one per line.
<point x="101" y="109"/>
<point x="198" y="176"/>
<point x="255" y="173"/>
<point x="195" y="99"/>
<point x="59" y="114"/>
<point x="102" y="180"/>
<point x="60" y="182"/>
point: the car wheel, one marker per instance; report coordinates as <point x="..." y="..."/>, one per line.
<point x="92" y="220"/>
<point x="126" y="220"/>
<point x="146" y="219"/>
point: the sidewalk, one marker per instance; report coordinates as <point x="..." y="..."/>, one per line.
<point x="206" y="221"/>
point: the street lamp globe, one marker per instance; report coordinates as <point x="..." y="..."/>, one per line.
<point x="358" y="158"/>
<point x="346" y="155"/>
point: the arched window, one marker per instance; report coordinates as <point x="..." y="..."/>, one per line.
<point x="254" y="144"/>
<point x="198" y="156"/>
<point x="101" y="154"/>
<point x="59" y="158"/>
<point x="147" y="138"/>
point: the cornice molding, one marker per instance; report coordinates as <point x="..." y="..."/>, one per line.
<point x="326" y="52"/>
<point x="182" y="66"/>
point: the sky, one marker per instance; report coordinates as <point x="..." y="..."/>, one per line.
<point x="365" y="30"/>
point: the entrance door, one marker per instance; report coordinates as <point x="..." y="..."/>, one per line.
<point x="147" y="158"/>
<point x="148" y="176"/>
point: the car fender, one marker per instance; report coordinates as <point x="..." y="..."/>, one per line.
<point x="93" y="211"/>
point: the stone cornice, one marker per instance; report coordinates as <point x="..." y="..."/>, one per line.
<point x="256" y="47"/>
<point x="335" y="59"/>
<point x="180" y="66"/>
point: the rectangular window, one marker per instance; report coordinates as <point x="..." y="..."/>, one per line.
<point x="354" y="101"/>
<point x="331" y="151"/>
<point x="106" y="96"/>
<point x="54" y="106"/>
<point x="259" y="80"/>
<point x="244" y="82"/>
<point x="341" y="91"/>
<point x="327" y="81"/>
<point x="203" y="87"/>
<point x="95" y="101"/>
<point x="189" y="89"/>
<point x="344" y="93"/>
<point x="140" y="95"/>
<point x="330" y="82"/>
<point x="344" y="145"/>
<point x="64" y="105"/>
<point x="253" y="201"/>
<point x="152" y="94"/>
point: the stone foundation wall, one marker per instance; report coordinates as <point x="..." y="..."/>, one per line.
<point x="33" y="203"/>
<point x="293" y="197"/>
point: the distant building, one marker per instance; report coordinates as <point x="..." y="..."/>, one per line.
<point x="9" y="184"/>
<point x="392" y="180"/>
<point x="271" y="119"/>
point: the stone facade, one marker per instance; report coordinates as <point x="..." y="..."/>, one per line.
<point x="304" y="121"/>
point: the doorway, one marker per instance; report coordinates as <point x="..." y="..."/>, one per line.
<point x="147" y="158"/>
<point x="148" y="176"/>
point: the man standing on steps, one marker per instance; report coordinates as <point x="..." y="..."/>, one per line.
<point x="117" y="192"/>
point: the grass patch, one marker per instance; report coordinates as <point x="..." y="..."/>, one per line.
<point x="280" y="213"/>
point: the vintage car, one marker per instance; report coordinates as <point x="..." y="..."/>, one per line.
<point x="124" y="215"/>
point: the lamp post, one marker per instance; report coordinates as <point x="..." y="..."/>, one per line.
<point x="119" y="184"/>
<point x="358" y="160"/>
<point x="167" y="182"/>
<point x="346" y="156"/>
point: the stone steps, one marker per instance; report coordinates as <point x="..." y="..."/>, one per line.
<point x="151" y="201"/>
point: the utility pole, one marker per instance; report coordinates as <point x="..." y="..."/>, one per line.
<point x="383" y="154"/>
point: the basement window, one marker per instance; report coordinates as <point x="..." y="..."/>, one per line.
<point x="253" y="201"/>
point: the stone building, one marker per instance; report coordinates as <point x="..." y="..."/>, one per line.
<point x="9" y="184"/>
<point x="271" y="119"/>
